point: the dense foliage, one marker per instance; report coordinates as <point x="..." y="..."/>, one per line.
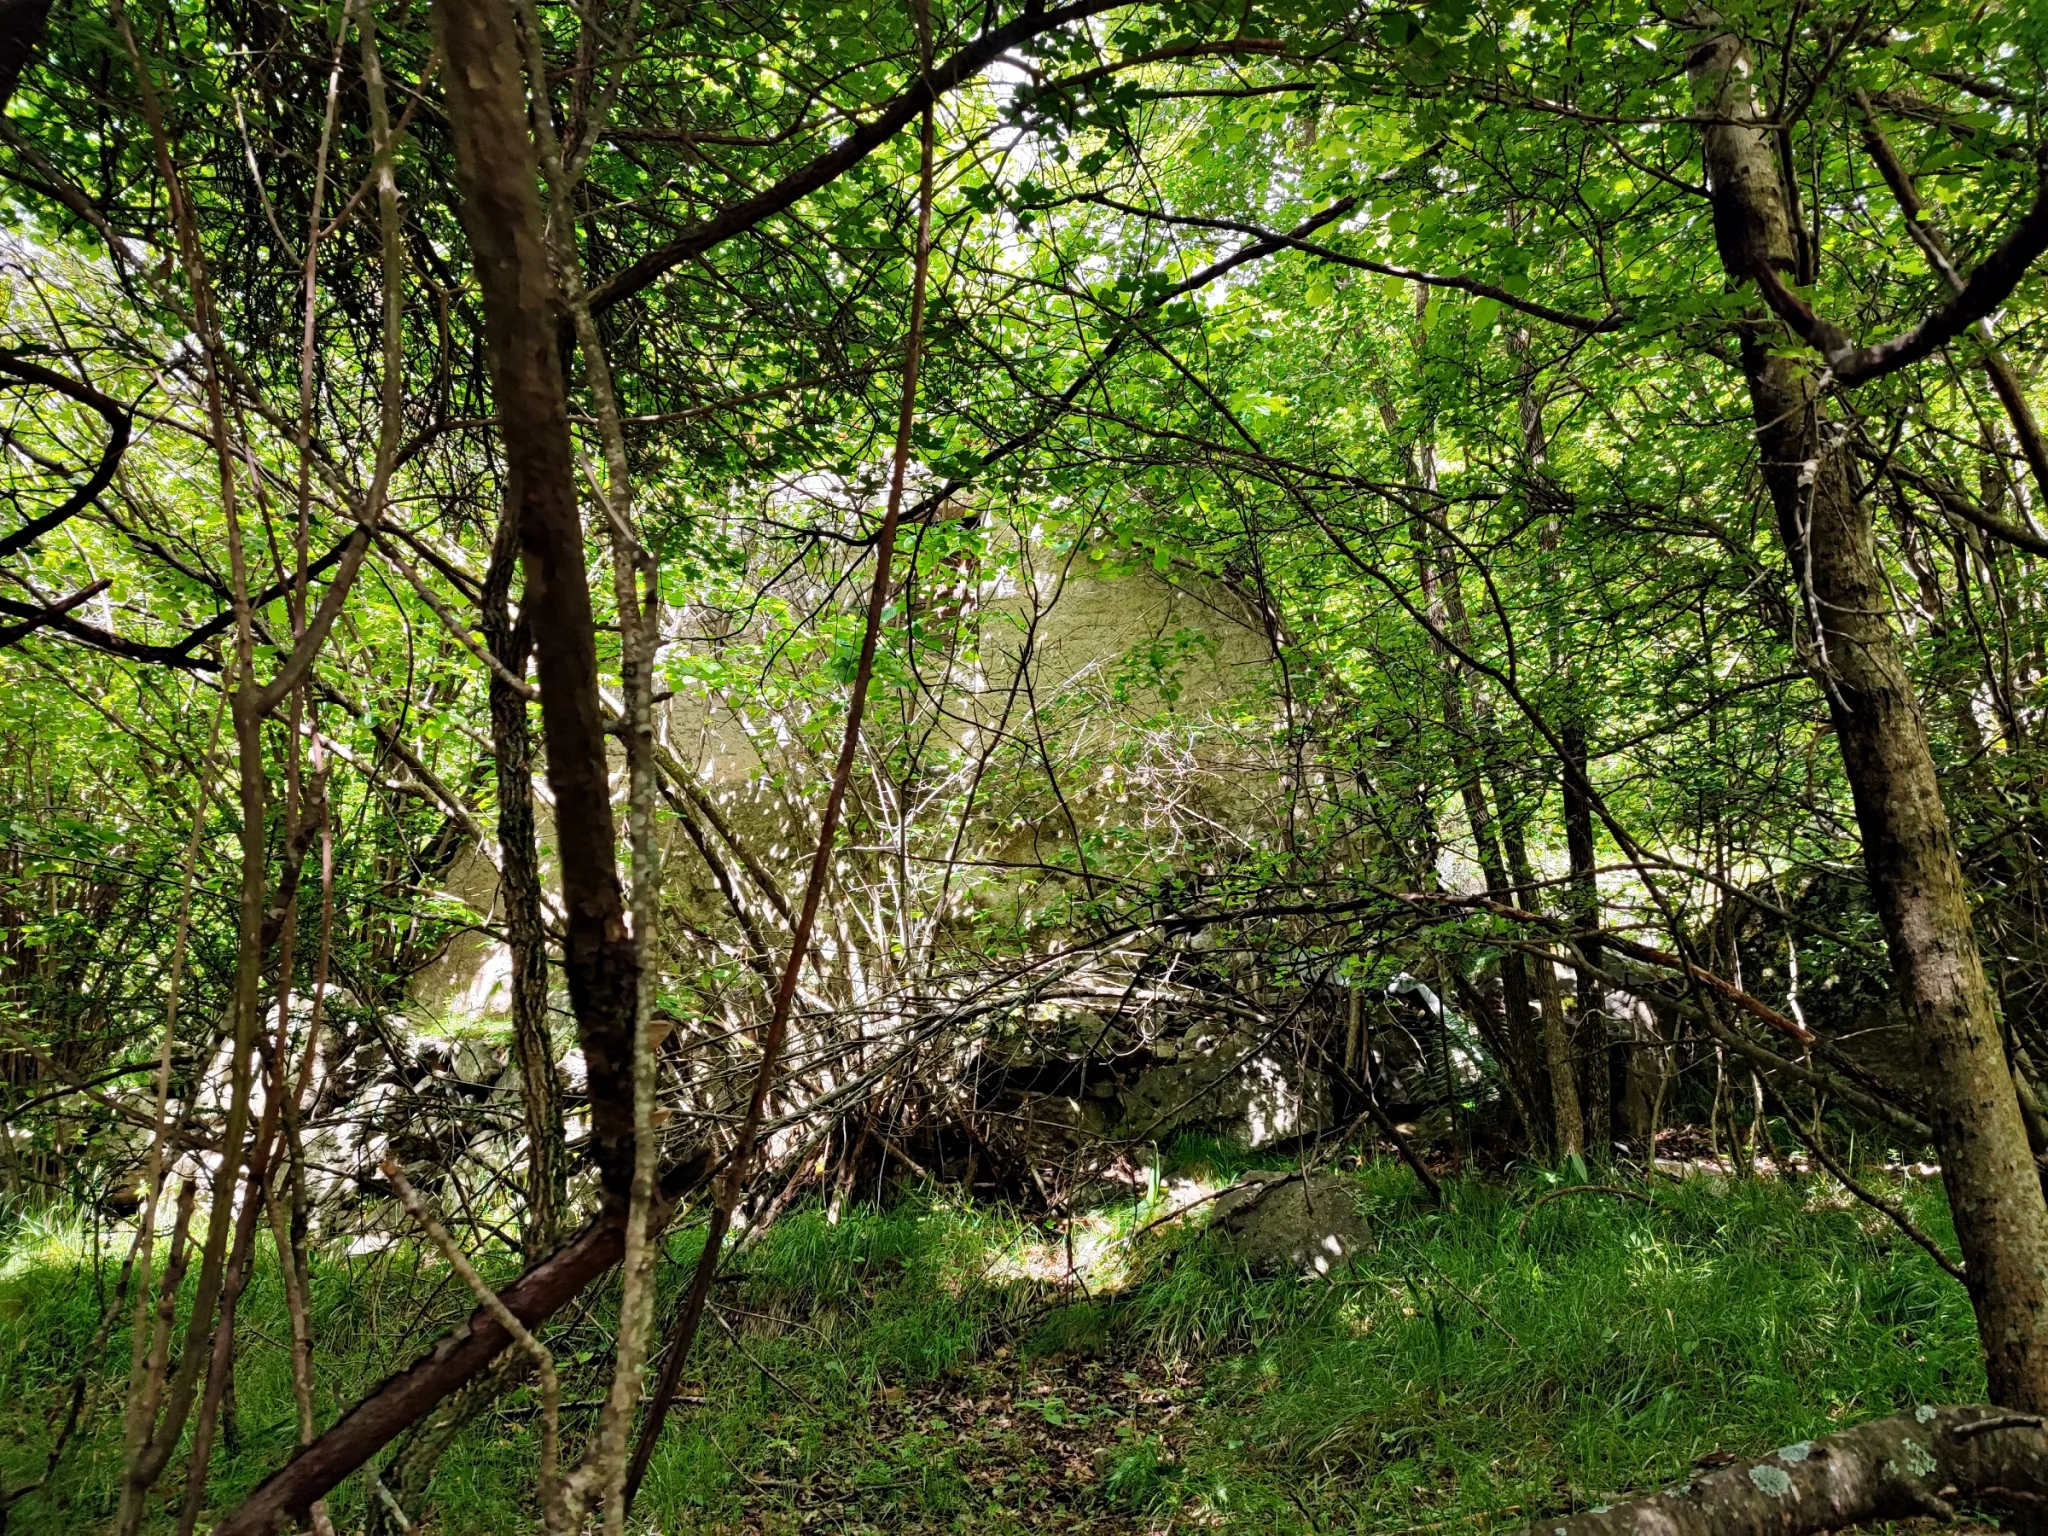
<point x="1343" y="554"/>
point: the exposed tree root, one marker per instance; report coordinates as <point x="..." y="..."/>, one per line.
<point x="1919" y="1463"/>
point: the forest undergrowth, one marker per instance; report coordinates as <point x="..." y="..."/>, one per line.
<point x="938" y="1366"/>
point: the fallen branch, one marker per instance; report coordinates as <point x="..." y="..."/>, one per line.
<point x="489" y="1301"/>
<point x="1918" y="1463"/>
<point x="401" y="1401"/>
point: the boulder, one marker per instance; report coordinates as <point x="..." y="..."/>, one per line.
<point x="1281" y="1223"/>
<point x="1239" y="1087"/>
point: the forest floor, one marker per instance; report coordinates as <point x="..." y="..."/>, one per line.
<point x="938" y="1367"/>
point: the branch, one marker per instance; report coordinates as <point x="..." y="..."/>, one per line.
<point x="1988" y="287"/>
<point x="1258" y="250"/>
<point x="843" y="156"/>
<point x="9" y="633"/>
<point x="775" y="1031"/>
<point x="1635" y="950"/>
<point x="1954" y="504"/>
<point x="349" y="560"/>
<point x="219" y="623"/>
<point x="1591" y="325"/>
<point x="676" y="772"/>
<point x="179" y="656"/>
<point x="2004" y="382"/>
<point x="1236" y="48"/>
<point x="118" y="427"/>
<point x="456" y="628"/>
<point x="501" y="1314"/>
<point x="1896" y="1214"/>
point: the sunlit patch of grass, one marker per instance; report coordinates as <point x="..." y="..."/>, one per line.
<point x="36" y="1240"/>
<point x="1461" y="1369"/>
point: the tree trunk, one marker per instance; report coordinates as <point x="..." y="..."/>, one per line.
<point x="498" y="173"/>
<point x="540" y="1086"/>
<point x="1909" y="853"/>
<point x="1565" y="1112"/>
<point x="1596" y="1046"/>
<point x="1522" y="1024"/>
<point x="1567" y="1116"/>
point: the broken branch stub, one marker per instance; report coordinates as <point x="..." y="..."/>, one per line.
<point x="1924" y="1462"/>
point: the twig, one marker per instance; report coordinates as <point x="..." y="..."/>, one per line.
<point x="1870" y="1198"/>
<point x="391" y="1505"/>
<point x="2002" y="1421"/>
<point x="491" y="1302"/>
<point x="754" y="1360"/>
<point x="1474" y="1301"/>
<point x="1193" y="1205"/>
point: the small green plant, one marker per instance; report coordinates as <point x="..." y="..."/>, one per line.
<point x="1141" y="1480"/>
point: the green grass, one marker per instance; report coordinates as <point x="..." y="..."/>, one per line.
<point x="924" y="1368"/>
<point x="1461" y="1370"/>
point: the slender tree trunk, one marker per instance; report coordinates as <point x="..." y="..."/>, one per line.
<point x="1585" y="1098"/>
<point x="1909" y="852"/>
<point x="1582" y="897"/>
<point x="153" y="1432"/>
<point x="1437" y="566"/>
<point x="524" y="319"/>
<point x="1567" y="1115"/>
<point x="1523" y="1024"/>
<point x="540" y="1085"/>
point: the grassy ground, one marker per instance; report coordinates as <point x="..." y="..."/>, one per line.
<point x="933" y="1367"/>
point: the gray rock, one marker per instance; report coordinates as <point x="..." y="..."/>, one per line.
<point x="1251" y="1095"/>
<point x="1280" y="1223"/>
<point x="479" y="1061"/>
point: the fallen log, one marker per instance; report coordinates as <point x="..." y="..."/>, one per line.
<point x="1925" y="1462"/>
<point x="283" y="1499"/>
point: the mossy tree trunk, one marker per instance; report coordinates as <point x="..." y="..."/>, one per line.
<point x="1909" y="850"/>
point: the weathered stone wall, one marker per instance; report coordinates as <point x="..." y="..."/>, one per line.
<point x="1146" y="681"/>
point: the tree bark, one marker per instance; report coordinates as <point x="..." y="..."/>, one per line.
<point x="1909" y="852"/>
<point x="497" y="172"/>
<point x="540" y="1086"/>
<point x="1567" y="1115"/>
<point x="1910" y="1464"/>
<point x="21" y="37"/>
<point x="1565" y="1112"/>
